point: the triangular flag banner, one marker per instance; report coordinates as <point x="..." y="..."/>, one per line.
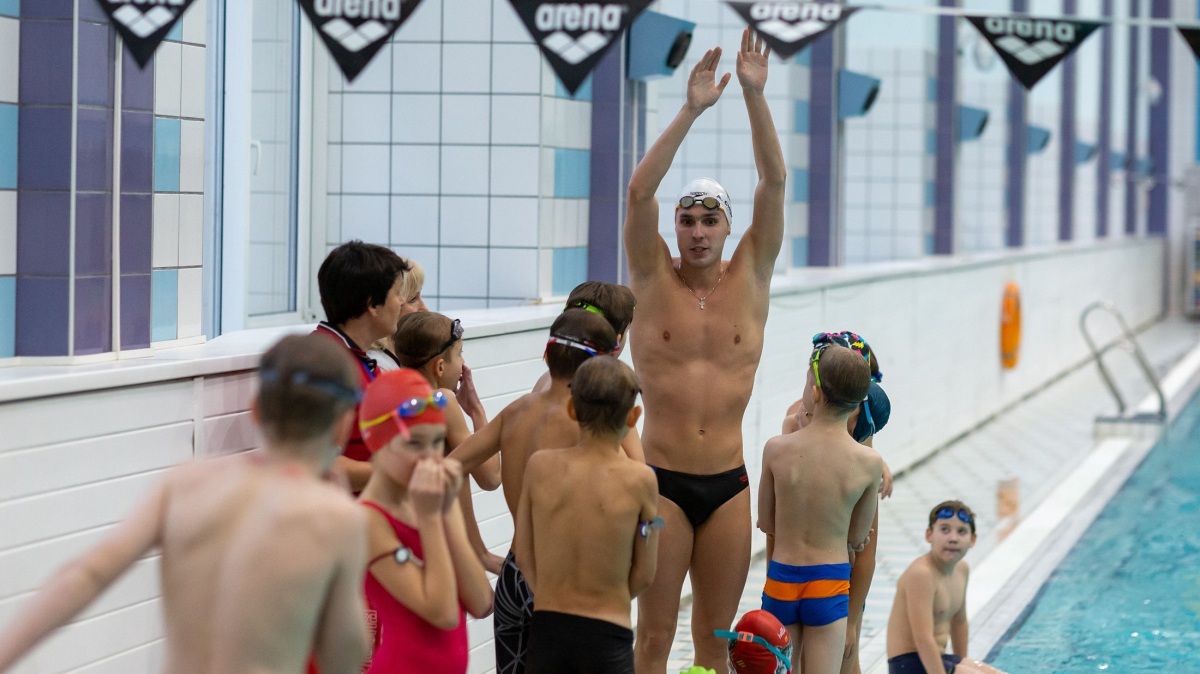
<point x="788" y="26"/>
<point x="143" y="26"/>
<point x="574" y="36"/>
<point x="1192" y="37"/>
<point x="1031" y="47"/>
<point x="354" y="31"/>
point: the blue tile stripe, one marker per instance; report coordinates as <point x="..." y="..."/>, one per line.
<point x="570" y="269"/>
<point x="800" y="251"/>
<point x="8" y="146"/>
<point x="800" y="188"/>
<point x="166" y="154"/>
<point x="572" y="173"/>
<point x="10" y="7"/>
<point x="164" y="305"/>
<point x="176" y="33"/>
<point x="8" y="316"/>
<point x="800" y="118"/>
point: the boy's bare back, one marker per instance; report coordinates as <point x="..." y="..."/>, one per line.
<point x="825" y="485"/>
<point x="586" y="509"/>
<point x="534" y="422"/>
<point x="261" y="566"/>
<point x="911" y="606"/>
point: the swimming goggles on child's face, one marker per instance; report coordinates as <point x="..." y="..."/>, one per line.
<point x="783" y="658"/>
<point x="948" y="512"/>
<point x="711" y="203"/>
<point x="415" y="407"/>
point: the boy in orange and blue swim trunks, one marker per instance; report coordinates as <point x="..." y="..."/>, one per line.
<point x="817" y="497"/>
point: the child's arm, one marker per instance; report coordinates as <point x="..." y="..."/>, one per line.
<point x="478" y="448"/>
<point x="959" y="628"/>
<point x="632" y="446"/>
<point x="77" y="584"/>
<point x="645" y="550"/>
<point x="523" y="534"/>
<point x="474" y="590"/>
<point x="864" y="510"/>
<point x="486" y="474"/>
<point x="790" y="423"/>
<point x="766" y="495"/>
<point x="428" y="588"/>
<point x="341" y="644"/>
<point x="919" y="608"/>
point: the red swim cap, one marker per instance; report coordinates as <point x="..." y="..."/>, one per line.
<point x="747" y="657"/>
<point x="379" y="416"/>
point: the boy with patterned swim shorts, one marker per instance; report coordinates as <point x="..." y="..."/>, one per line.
<point x="817" y="497"/>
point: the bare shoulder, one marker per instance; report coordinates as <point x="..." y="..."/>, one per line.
<point x="780" y="446"/>
<point x="452" y="406"/>
<point x="869" y="458"/>
<point x="963" y="570"/>
<point x="917" y="573"/>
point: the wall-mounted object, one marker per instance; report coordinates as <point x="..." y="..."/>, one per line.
<point x="856" y="93"/>
<point x="657" y="45"/>
<point x="1084" y="152"/>
<point x="971" y="123"/>
<point x="1037" y="138"/>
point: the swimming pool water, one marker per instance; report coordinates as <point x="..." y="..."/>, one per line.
<point x="1127" y="597"/>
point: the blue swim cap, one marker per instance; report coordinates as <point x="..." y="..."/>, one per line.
<point x="874" y="415"/>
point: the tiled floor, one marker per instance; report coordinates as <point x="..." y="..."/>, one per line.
<point x="1035" y="444"/>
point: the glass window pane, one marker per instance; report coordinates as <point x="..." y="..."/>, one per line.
<point x="274" y="126"/>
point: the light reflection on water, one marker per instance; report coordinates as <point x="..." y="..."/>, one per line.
<point x="1127" y="598"/>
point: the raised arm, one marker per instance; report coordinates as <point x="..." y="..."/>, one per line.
<point x="764" y="238"/>
<point x="487" y="474"/>
<point x="70" y="589"/>
<point x="479" y="448"/>
<point x="341" y="645"/>
<point x="644" y="248"/>
<point x="645" y="550"/>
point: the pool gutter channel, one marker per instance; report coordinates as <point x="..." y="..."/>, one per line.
<point x="1006" y="584"/>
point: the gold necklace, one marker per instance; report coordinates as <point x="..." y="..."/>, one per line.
<point x="693" y="292"/>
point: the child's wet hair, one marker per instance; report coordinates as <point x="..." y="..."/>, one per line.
<point x="584" y="327"/>
<point x="844" y="376"/>
<point x="957" y="505"/>
<point x="420" y="336"/>
<point x="615" y="301"/>
<point x="604" y="390"/>
<point x="307" y="382"/>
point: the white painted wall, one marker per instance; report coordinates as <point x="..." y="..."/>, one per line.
<point x="79" y="446"/>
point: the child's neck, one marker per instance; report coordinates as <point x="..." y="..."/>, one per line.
<point x="293" y="456"/>
<point x="431" y="378"/>
<point x="601" y="444"/>
<point x="560" y="387"/>
<point x="828" y="416"/>
<point x="382" y="490"/>
<point x="944" y="568"/>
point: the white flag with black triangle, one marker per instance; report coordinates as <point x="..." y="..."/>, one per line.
<point x="144" y="25"/>
<point x="574" y="36"/>
<point x="1031" y="47"/>
<point x="788" y="26"/>
<point x="355" y="30"/>
<point x="1192" y="37"/>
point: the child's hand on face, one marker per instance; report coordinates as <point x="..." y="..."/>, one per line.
<point x="426" y="487"/>
<point x="468" y="397"/>
<point x="452" y="473"/>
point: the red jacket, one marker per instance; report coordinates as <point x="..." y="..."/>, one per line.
<point x="367" y="371"/>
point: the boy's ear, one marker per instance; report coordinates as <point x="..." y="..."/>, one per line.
<point x="929" y="536"/>
<point x="571" y="410"/>
<point x="632" y="418"/>
<point x="439" y="367"/>
<point x="973" y="537"/>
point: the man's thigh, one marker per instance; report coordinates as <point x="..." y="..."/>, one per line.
<point x="720" y="563"/>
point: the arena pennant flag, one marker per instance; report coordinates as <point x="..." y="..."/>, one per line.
<point x="1192" y="37"/>
<point x="788" y="26"/>
<point x="1029" y="46"/>
<point x="144" y="25"/>
<point x="355" y="30"/>
<point x="574" y="36"/>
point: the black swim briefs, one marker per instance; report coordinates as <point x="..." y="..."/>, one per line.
<point x="910" y="663"/>
<point x="562" y="643"/>
<point x="699" y="496"/>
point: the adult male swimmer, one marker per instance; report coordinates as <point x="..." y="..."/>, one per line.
<point x="697" y="341"/>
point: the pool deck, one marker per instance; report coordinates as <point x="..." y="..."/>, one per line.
<point x="1037" y="443"/>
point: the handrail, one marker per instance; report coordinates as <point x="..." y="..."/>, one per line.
<point x="1129" y="338"/>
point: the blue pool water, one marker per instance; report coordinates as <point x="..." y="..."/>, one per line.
<point x="1127" y="598"/>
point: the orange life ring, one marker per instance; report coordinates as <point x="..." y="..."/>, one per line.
<point x="1010" y="326"/>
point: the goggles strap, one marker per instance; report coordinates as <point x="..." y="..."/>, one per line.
<point x="582" y="346"/>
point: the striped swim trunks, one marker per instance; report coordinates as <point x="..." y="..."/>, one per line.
<point x="811" y="595"/>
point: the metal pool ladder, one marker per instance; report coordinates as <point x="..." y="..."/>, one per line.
<point x="1122" y="424"/>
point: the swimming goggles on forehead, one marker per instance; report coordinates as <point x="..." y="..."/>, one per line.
<point x="783" y="658"/>
<point x="308" y="379"/>
<point x="413" y="407"/>
<point x="576" y="344"/>
<point x="948" y="512"/>
<point x="813" y="362"/>
<point x="586" y="307"/>
<point x="456" y="333"/>
<point x="711" y="203"/>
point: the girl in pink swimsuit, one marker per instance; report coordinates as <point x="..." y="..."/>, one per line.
<point x="424" y="576"/>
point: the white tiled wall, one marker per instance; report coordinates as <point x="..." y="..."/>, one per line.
<point x="122" y="439"/>
<point x="434" y="151"/>
<point x="982" y="163"/>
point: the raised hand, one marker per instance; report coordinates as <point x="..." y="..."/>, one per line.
<point x="752" y="62"/>
<point x="427" y="487"/>
<point x="703" y="90"/>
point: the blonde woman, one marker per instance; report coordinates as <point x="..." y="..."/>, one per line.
<point x="411" y="282"/>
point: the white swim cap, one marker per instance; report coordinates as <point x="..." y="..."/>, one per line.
<point x="700" y="188"/>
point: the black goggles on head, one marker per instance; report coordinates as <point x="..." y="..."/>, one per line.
<point x="711" y="203"/>
<point x="333" y="389"/>
<point x="456" y="333"/>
